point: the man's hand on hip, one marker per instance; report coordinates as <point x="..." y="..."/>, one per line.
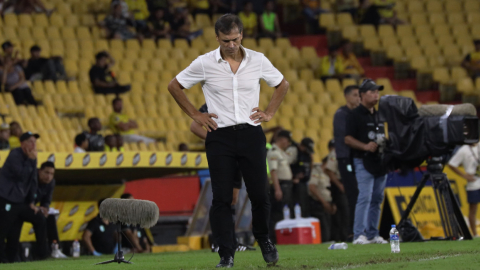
<point x="205" y="119"/>
<point x="260" y="116"/>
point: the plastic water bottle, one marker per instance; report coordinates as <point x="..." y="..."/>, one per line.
<point x="394" y="240"/>
<point x="76" y="249"/>
<point x="286" y="212"/>
<point x="338" y="246"/>
<point x="55" y="249"/>
<point x="298" y="211"/>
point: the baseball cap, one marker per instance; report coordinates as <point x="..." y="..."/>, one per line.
<point x="285" y="134"/>
<point x="4" y="126"/>
<point x="25" y="136"/>
<point x="7" y="44"/>
<point x="309" y="144"/>
<point x="369" y="84"/>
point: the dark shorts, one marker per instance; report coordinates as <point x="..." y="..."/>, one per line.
<point x="473" y="196"/>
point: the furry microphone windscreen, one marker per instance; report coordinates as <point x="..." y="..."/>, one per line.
<point x="440" y="110"/>
<point x="130" y="212"/>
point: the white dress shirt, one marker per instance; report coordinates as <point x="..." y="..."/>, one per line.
<point x="78" y="149"/>
<point x="230" y="96"/>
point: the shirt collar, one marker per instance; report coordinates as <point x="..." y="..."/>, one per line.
<point x="218" y="55"/>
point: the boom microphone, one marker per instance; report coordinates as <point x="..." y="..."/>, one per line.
<point x="130" y="212"/>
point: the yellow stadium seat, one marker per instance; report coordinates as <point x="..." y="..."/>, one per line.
<point x="149" y="44"/>
<point x="38" y="32"/>
<point x="56" y="20"/>
<point x="53" y="33"/>
<point x="266" y="43"/>
<point x="437" y="19"/>
<point x="434" y="6"/>
<point x="164" y="44"/>
<point x="372" y="44"/>
<point x="156" y="64"/>
<point x="181" y="44"/>
<point x="408" y="41"/>
<point x="367" y="31"/>
<point x="9" y="32"/>
<point x="72" y="20"/>
<point x="316" y="86"/>
<point x="292" y="53"/>
<point x="177" y="53"/>
<point x="404" y="30"/>
<point x="418" y="19"/>
<point x="465" y="85"/>
<point x="10" y="19"/>
<point x="350" y="32"/>
<point x="83" y="32"/>
<point x="415" y="6"/>
<point x="460" y="29"/>
<point x="476" y="31"/>
<point x="473" y="17"/>
<point x="68" y="32"/>
<point x="202" y="20"/>
<point x="395" y="52"/>
<point x="306" y="75"/>
<point x="347" y="82"/>
<point x="471" y="5"/>
<point x="441" y="30"/>
<point x="445" y="40"/>
<point x="249" y="43"/>
<point x="25" y="20"/>
<point x="453" y="6"/>
<point x="283" y="43"/>
<point x="423" y="30"/>
<point x="138" y="76"/>
<point x="418" y="63"/>
<point x="385" y="31"/>
<point x="327" y="20"/>
<point x="333" y="85"/>
<point x="299" y="87"/>
<point x="389" y="41"/>
<point x="291" y="76"/>
<point x="455" y="18"/>
<point x="286" y="110"/>
<point x="24" y="33"/>
<point x="436" y="60"/>
<point x="40" y="19"/>
<point x="451" y="51"/>
<point x="308" y="52"/>
<point x="301" y="111"/>
<point x="63" y="8"/>
<point x="413" y="51"/>
<point x="344" y="18"/>
<point x="458" y="73"/>
<point x="132" y="45"/>
<point x="87" y="20"/>
<point x="116" y="44"/>
<point x="297" y="135"/>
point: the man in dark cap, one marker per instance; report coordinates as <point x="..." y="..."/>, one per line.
<point x="280" y="179"/>
<point x="18" y="179"/>
<point x="363" y="133"/>
<point x="301" y="165"/>
<point x="9" y="52"/>
<point x="102" y="78"/>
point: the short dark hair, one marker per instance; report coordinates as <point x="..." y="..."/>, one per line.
<point x="91" y="120"/>
<point x="35" y="48"/>
<point x="349" y="89"/>
<point x="125" y="196"/>
<point x="115" y="100"/>
<point x="80" y="138"/>
<point x="100" y="55"/>
<point x="227" y="23"/>
<point x="47" y="164"/>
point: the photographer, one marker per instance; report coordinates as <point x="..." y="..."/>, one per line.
<point x="301" y="165"/>
<point x="468" y="156"/>
<point x="363" y="133"/>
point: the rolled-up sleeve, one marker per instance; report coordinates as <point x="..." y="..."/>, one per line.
<point x="273" y="160"/>
<point x="192" y="75"/>
<point x="270" y="74"/>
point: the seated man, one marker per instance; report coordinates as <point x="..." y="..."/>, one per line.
<point x="111" y="143"/>
<point x="81" y="143"/>
<point x="116" y="25"/>
<point x="471" y="62"/>
<point x="15" y="133"/>
<point x="132" y="239"/>
<point x="99" y="237"/>
<point x="269" y="21"/>
<point x="331" y="66"/>
<point x="102" y="78"/>
<point x="351" y="66"/>
<point x="41" y="68"/>
<point x="121" y="124"/>
<point x="321" y="205"/>
<point x="181" y="24"/>
<point x="4" y="136"/>
<point x="139" y="9"/>
<point x="96" y="143"/>
<point x="249" y="20"/>
<point x="158" y="25"/>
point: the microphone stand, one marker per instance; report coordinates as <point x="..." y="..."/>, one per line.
<point x="119" y="258"/>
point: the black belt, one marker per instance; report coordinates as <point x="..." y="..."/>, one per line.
<point x="239" y="126"/>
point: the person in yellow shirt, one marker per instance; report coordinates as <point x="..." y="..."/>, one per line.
<point x="139" y="10"/>
<point x="331" y="66"/>
<point x="249" y="20"/>
<point x="351" y="66"/>
<point x="121" y="124"/>
<point x="471" y="62"/>
<point x="15" y="133"/>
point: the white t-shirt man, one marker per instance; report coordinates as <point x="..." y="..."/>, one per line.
<point x="469" y="157"/>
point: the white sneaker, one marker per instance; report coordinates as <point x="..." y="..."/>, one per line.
<point x="57" y="254"/>
<point x="361" y="240"/>
<point x="378" y="240"/>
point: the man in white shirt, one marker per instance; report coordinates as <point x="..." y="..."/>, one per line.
<point x="81" y="143"/>
<point x="230" y="78"/>
<point x="468" y="156"/>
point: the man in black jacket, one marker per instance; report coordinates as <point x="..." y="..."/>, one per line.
<point x="18" y="179"/>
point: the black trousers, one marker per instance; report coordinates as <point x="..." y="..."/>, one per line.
<point x="10" y="216"/>
<point x="277" y="206"/>
<point x="341" y="219"/>
<point x="349" y="181"/>
<point x="317" y="210"/>
<point x="119" y="89"/>
<point x="300" y="196"/>
<point x="228" y="149"/>
<point x="23" y="96"/>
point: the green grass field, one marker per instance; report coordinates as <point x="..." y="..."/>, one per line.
<point x="430" y="255"/>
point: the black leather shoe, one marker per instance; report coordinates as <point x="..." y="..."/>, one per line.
<point x="225" y="263"/>
<point x="269" y="251"/>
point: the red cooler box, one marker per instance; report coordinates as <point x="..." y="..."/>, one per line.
<point x="294" y="231"/>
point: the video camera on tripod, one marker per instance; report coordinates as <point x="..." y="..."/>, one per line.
<point x="430" y="134"/>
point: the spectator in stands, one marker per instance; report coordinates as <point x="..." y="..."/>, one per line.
<point x="139" y="9"/>
<point x="387" y="13"/>
<point x="223" y="6"/>
<point x="99" y="237"/>
<point x="41" y="68"/>
<point x="135" y="236"/>
<point x="159" y="26"/>
<point x="349" y="6"/>
<point x="249" y="20"/>
<point x="13" y="80"/>
<point x="119" y="143"/>
<point x="81" y="143"/>
<point x="25" y="7"/>
<point x="116" y="25"/>
<point x="183" y="147"/>
<point x="321" y="205"/>
<point x="341" y="219"/>
<point x="471" y="62"/>
<point x="102" y="79"/>
<point x="201" y="7"/>
<point x="269" y="21"/>
<point x="331" y="65"/>
<point x="180" y="26"/>
<point x="96" y="143"/>
<point x="125" y="11"/>
<point x="351" y="66"/>
<point x="4" y="136"/>
<point x="10" y="52"/>
<point x="368" y="13"/>
<point x="312" y="11"/>
<point x="121" y="124"/>
<point x="111" y="143"/>
<point x="158" y="4"/>
<point x="15" y="133"/>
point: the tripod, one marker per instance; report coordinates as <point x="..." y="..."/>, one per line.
<point x="454" y="225"/>
<point x="119" y="258"/>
